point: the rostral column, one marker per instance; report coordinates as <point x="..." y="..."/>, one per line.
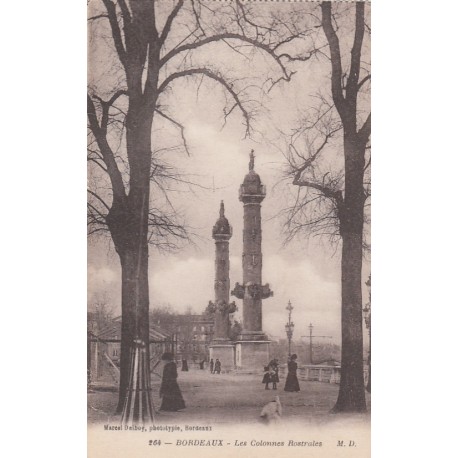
<point x="252" y="192"/>
<point x="222" y="232"/>
<point x="221" y="347"/>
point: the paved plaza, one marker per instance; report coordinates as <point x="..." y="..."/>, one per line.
<point x="231" y="398"/>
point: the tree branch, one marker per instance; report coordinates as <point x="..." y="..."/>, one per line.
<point x="326" y="191"/>
<point x="208" y="74"/>
<point x="287" y="40"/>
<point x="298" y="58"/>
<point x="116" y="31"/>
<point x="352" y="83"/>
<point x="368" y="163"/>
<point x="176" y="123"/>
<point x="361" y="83"/>
<point x="95" y="210"/>
<point x="168" y="22"/>
<point x="221" y="37"/>
<point x="365" y="130"/>
<point x="107" y="154"/>
<point x="196" y="16"/>
<point x="125" y="12"/>
<point x="99" y="199"/>
<point x="248" y="21"/>
<point x="309" y="161"/>
<point x="92" y="117"/>
<point x="106" y="106"/>
<point x="336" y="63"/>
<point x="116" y="96"/>
<point x="92" y="159"/>
<point x="99" y="16"/>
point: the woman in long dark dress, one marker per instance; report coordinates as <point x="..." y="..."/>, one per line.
<point x="172" y="400"/>
<point x="292" y="383"/>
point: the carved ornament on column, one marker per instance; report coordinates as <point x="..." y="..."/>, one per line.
<point x="222" y="307"/>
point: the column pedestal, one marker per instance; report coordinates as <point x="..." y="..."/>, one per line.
<point x="224" y="351"/>
<point x="251" y="356"/>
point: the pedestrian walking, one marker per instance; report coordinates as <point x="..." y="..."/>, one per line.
<point x="172" y="400"/>
<point x="292" y="383"/>
<point x="217" y="366"/>
<point x="211" y="366"/>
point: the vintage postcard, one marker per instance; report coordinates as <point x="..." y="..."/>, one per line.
<point x="229" y="184"/>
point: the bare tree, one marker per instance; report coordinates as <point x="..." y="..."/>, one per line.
<point x="103" y="312"/>
<point x="156" y="44"/>
<point x="328" y="160"/>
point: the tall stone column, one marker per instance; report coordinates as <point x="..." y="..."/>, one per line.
<point x="221" y="347"/>
<point x="252" y="350"/>
<point x="252" y="291"/>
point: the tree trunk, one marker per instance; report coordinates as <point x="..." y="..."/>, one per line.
<point x="135" y="314"/>
<point x="352" y="391"/>
<point x="351" y="210"/>
<point x="128" y="224"/>
<point x="368" y="386"/>
<point x="89" y="358"/>
<point x="137" y="46"/>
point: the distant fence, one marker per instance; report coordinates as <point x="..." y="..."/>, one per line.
<point x="103" y="367"/>
<point x="326" y="374"/>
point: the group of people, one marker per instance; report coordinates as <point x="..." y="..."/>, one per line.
<point x="271" y="375"/>
<point x="215" y="367"/>
<point x="172" y="399"/>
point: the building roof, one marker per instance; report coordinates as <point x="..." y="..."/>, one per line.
<point x="112" y="332"/>
<point x="200" y="319"/>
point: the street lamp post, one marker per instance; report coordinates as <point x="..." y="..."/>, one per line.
<point x="289" y="327"/>
<point x="311" y="337"/>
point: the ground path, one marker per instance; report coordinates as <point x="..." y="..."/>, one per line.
<point x="230" y="398"/>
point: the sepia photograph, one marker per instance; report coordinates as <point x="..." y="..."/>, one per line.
<point x="193" y="244"/>
<point x="229" y="228"/>
<point x="190" y="249"/>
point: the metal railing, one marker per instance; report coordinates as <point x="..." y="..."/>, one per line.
<point x="252" y="190"/>
<point x="325" y="374"/>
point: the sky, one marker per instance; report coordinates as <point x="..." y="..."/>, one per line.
<point x="305" y="272"/>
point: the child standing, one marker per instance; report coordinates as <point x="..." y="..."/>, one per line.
<point x="274" y="374"/>
<point x="267" y="377"/>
